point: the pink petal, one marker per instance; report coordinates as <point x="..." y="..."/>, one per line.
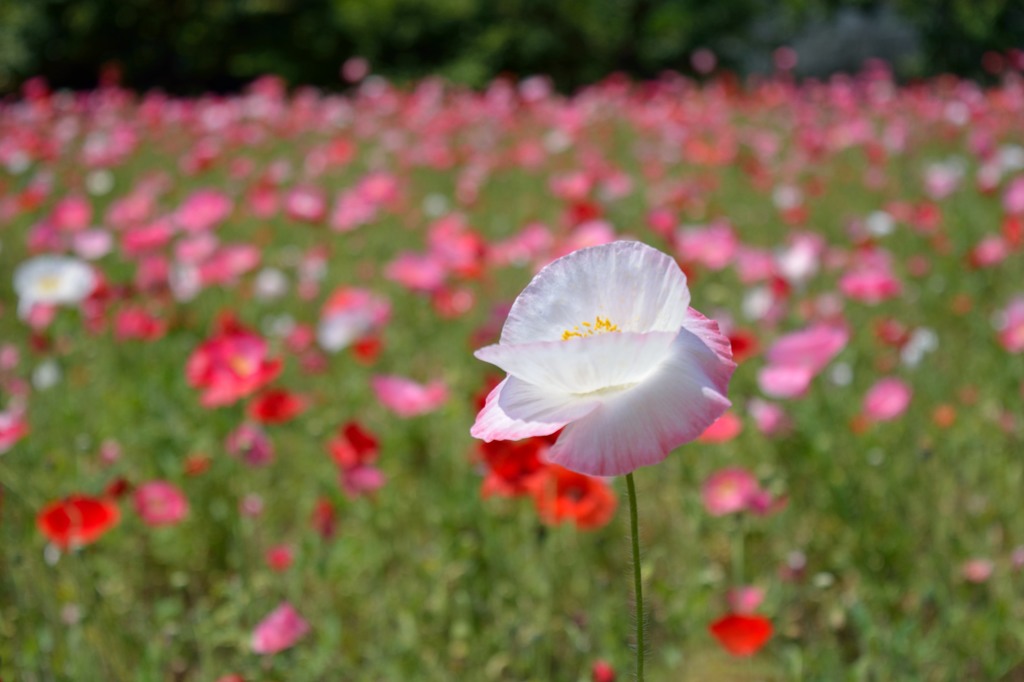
<point x="279" y="630"/>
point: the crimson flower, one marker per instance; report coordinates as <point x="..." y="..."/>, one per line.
<point x="231" y="365"/>
<point x="742" y="635"/>
<point x="77" y="520"/>
<point x="276" y="406"/>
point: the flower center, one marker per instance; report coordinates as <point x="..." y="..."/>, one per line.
<point x="600" y="325"/>
<point x="48" y="284"/>
<point x="243" y="366"/>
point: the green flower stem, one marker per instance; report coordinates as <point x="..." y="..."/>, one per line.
<point x="637" y="581"/>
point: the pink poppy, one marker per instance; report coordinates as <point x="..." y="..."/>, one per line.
<point x="280" y="557"/>
<point x="713" y="246"/>
<point x="870" y="285"/>
<point x="136" y="323"/>
<point x="13" y="427"/>
<point x="1011" y="326"/>
<point x="1013" y="199"/>
<point x="306" y="204"/>
<point x="203" y="210"/>
<point x="745" y="599"/>
<point x="349" y="315"/>
<point x="723" y="429"/>
<point x="250" y="442"/>
<point x="71" y="214"/>
<point x="886" y="400"/>
<point x="92" y="244"/>
<point x="139" y="240"/>
<point x="160" y="503"/>
<point x="991" y="250"/>
<point x="796" y="358"/>
<point x="728" y="491"/>
<point x="785" y="381"/>
<point x="977" y="570"/>
<point x="771" y="419"/>
<point x="813" y="347"/>
<point x="280" y="630"/>
<point x="231" y="365"/>
<point x="416" y="272"/>
<point x="406" y="398"/>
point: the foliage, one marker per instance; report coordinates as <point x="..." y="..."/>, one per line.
<point x="195" y="45"/>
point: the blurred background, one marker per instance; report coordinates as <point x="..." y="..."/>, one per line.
<point x="192" y="46"/>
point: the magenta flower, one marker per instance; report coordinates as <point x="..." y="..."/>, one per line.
<point x="603" y="344"/>
<point x="279" y="630"/>
<point x="729" y="491"/>
<point x="160" y="503"/>
<point x="406" y="398"/>
<point x="886" y="400"/>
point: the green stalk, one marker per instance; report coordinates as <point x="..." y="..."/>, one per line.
<point x="637" y="582"/>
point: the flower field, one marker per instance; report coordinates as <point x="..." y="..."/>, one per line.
<point x="237" y="382"/>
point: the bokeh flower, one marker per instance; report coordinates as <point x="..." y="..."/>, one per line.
<point x="52" y="280"/>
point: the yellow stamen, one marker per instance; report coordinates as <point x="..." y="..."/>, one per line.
<point x="600" y="325"/>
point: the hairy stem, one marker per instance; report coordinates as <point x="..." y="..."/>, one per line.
<point x="637" y="582"/>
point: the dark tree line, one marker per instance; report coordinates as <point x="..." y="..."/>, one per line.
<point x="195" y="45"/>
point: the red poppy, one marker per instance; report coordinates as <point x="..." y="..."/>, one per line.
<point x="512" y="465"/>
<point x="231" y="365"/>
<point x="563" y="495"/>
<point x="353" y="446"/>
<point x="324" y="519"/>
<point x="367" y="349"/>
<point x="744" y="344"/>
<point x="742" y="635"/>
<point x="276" y="406"/>
<point x="77" y="520"/>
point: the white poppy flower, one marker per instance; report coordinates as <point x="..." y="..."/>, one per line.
<point x="52" y="280"/>
<point x="603" y="344"/>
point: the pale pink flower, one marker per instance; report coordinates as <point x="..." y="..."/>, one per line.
<point x="603" y="344"/>
<point x="306" y="204"/>
<point x="406" y="398"/>
<point x="279" y="631"/>
<point x="796" y="358"/>
<point x="990" y="251"/>
<point x="196" y="248"/>
<point x="92" y="244"/>
<point x="887" y="399"/>
<point x="13" y="427"/>
<point x="362" y="479"/>
<point x="977" y="570"/>
<point x="1017" y="558"/>
<point x="870" y="285"/>
<point x="1011" y="326"/>
<point x="160" y="503"/>
<point x="784" y="381"/>
<point x="713" y="246"/>
<point x="351" y="313"/>
<point x="745" y="599"/>
<point x="416" y="272"/>
<point x="728" y="491"/>
<point x="203" y="210"/>
<point x="771" y="419"/>
<point x="590" y="233"/>
<point x="1013" y="200"/>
